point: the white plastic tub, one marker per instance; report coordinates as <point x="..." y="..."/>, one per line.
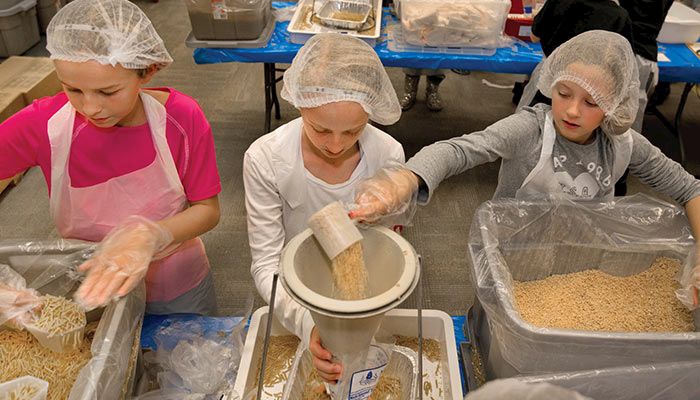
<point x="19" y="29"/>
<point x="29" y="384"/>
<point x="436" y="325"/>
<point x="682" y="25"/>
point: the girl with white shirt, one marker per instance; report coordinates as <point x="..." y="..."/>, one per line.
<point x="338" y="84"/>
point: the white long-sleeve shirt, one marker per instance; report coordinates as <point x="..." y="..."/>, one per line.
<point x="280" y="197"/>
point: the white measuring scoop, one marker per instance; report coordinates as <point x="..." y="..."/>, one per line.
<point x="334" y="229"/>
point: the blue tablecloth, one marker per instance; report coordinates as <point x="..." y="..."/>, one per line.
<point x="684" y="66"/>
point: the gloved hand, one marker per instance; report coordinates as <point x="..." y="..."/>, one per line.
<point x="121" y="261"/>
<point x="16" y="301"/>
<point x="688" y="294"/>
<point x="391" y="191"/>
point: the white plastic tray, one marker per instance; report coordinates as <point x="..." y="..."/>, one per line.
<point x="300" y="36"/>
<point x="436" y="325"/>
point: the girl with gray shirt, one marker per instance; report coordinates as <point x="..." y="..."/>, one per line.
<point x="577" y="148"/>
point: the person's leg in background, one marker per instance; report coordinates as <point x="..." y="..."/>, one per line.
<point x="410" y="90"/>
<point x="648" y="78"/>
<point x="432" y="96"/>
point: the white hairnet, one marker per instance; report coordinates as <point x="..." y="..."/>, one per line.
<point x="331" y="67"/>
<point x="604" y="65"/>
<point x="107" y="31"/>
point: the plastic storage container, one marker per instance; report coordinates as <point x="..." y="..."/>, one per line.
<point x="46" y="9"/>
<point x="671" y="381"/>
<point x="228" y="19"/>
<point x="454" y="23"/>
<point x="19" y="29"/>
<point x="436" y="325"/>
<point x="24" y="388"/>
<point x="45" y="265"/>
<point x="515" y="240"/>
<point x="682" y="25"/>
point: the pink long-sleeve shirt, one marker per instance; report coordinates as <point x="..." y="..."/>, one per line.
<point x="99" y="154"/>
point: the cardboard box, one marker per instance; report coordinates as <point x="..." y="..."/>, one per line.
<point x="34" y="77"/>
<point x="4" y="183"/>
<point x="10" y="103"/>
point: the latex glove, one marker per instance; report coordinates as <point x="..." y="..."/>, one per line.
<point x="121" y="261"/>
<point x="688" y="294"/>
<point x="391" y="191"/>
<point x="16" y="305"/>
<point x="327" y="370"/>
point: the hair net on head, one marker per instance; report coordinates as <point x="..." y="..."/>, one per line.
<point x="331" y="67"/>
<point x="603" y="64"/>
<point x="107" y="31"/>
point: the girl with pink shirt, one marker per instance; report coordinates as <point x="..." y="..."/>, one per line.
<point x="129" y="167"/>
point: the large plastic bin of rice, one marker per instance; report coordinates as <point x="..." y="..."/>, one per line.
<point x="108" y="361"/>
<point x="19" y="29"/>
<point x="228" y="19"/>
<point x="513" y="240"/>
<point x="668" y="381"/>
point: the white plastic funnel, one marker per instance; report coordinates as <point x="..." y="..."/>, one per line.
<point x="347" y="327"/>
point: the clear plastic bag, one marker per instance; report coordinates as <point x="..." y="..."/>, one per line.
<point x="198" y="357"/>
<point x="690" y="279"/>
<point x="510" y="389"/>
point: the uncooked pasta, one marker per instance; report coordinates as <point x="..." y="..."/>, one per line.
<point x="24" y="392"/>
<point x="431" y="347"/>
<point x="349" y="274"/>
<point x="21" y="354"/>
<point x="280" y="355"/>
<point x="59" y="315"/>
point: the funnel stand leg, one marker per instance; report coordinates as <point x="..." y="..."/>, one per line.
<point x="266" y="343"/>
<point x="419" y="298"/>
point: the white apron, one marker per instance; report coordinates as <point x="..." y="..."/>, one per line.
<point x="543" y="180"/>
<point x="154" y="192"/>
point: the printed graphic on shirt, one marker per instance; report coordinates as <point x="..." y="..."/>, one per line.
<point x="581" y="179"/>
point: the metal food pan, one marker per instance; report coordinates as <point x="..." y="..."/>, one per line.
<point x="333" y="9"/>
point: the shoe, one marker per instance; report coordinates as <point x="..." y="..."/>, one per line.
<point x="410" y="92"/>
<point x="432" y="97"/>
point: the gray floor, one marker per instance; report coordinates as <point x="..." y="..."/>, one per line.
<point x="232" y="98"/>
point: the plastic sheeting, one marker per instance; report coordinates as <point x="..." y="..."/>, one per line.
<point x="47" y="266"/>
<point x="670" y="381"/>
<point x="516" y="240"/>
<point x="521" y="58"/>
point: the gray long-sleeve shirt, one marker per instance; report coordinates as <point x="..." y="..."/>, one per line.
<point x="517" y="141"/>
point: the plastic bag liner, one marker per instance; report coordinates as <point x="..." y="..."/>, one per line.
<point x="401" y="368"/>
<point x="519" y="240"/>
<point x="194" y="359"/>
<point x="47" y="266"/>
<point x="511" y="389"/>
<point x="669" y="381"/>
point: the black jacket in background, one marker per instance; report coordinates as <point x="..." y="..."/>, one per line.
<point x="561" y="20"/>
<point x="647" y="17"/>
